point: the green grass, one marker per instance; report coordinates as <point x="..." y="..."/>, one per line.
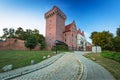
<point x="111" y="65"/>
<point x="21" y="58"/>
<point x="111" y="55"/>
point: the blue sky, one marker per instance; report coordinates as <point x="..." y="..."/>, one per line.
<point x="89" y="15"/>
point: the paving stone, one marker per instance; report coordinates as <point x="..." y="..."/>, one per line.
<point x="65" y="68"/>
<point x="94" y="70"/>
<point x="30" y="68"/>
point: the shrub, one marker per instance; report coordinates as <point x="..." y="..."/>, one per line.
<point x="60" y="48"/>
<point x="31" y="42"/>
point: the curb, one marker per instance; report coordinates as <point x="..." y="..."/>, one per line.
<point x="29" y="71"/>
<point x="82" y="68"/>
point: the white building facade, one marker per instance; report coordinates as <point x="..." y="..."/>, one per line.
<point x="81" y="41"/>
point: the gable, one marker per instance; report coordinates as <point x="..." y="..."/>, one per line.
<point x="70" y="27"/>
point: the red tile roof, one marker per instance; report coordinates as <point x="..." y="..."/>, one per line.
<point x="79" y="32"/>
<point x="67" y="27"/>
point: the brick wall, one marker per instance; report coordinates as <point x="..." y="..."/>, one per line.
<point x="55" y="25"/>
<point x="71" y="37"/>
<point x="15" y="44"/>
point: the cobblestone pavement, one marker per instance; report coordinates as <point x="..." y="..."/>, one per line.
<point x="92" y="70"/>
<point x="28" y="69"/>
<point x="71" y="66"/>
<point x="65" y="68"/>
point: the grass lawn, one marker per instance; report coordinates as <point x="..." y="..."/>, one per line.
<point x="111" y="65"/>
<point x="21" y="58"/>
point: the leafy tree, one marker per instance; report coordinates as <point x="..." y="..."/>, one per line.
<point x="92" y="34"/>
<point x="23" y="35"/>
<point x="103" y="39"/>
<point x="116" y="43"/>
<point x="8" y="33"/>
<point x="116" y="40"/>
<point x="11" y="32"/>
<point x="20" y="33"/>
<point x="41" y="40"/>
<point x="31" y="42"/>
<point x="118" y="31"/>
<point x="35" y="31"/>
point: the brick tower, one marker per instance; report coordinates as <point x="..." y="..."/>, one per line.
<point x="55" y="26"/>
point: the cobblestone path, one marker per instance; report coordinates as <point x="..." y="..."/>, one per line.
<point x="92" y="70"/>
<point x="65" y="68"/>
<point x="68" y="66"/>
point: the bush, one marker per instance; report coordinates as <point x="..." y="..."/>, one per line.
<point x="111" y="55"/>
<point x="31" y="42"/>
<point x="60" y="48"/>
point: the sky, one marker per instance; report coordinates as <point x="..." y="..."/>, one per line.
<point x="89" y="15"/>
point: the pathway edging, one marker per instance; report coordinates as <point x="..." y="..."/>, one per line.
<point x="82" y="69"/>
<point x="13" y="75"/>
<point x="92" y="70"/>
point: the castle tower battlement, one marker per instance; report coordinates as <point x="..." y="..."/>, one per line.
<point x="55" y="11"/>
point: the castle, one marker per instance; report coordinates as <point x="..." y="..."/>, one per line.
<point x="57" y="30"/>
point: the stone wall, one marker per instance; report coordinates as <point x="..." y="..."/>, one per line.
<point x="14" y="44"/>
<point x="71" y="36"/>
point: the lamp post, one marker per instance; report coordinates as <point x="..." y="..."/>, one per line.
<point x="56" y="46"/>
<point x="56" y="49"/>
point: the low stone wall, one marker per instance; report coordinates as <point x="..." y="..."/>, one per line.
<point x="14" y="44"/>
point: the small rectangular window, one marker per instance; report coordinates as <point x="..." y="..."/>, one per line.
<point x="65" y="40"/>
<point x="65" y="34"/>
<point x="72" y="35"/>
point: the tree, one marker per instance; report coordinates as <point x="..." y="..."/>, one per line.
<point x="8" y="33"/>
<point x="116" y="43"/>
<point x="23" y="35"/>
<point x="116" y="40"/>
<point x="35" y="31"/>
<point x="19" y="33"/>
<point x="92" y="34"/>
<point x="41" y="40"/>
<point x="11" y="32"/>
<point x="118" y="31"/>
<point x="103" y="39"/>
<point x="31" y="42"/>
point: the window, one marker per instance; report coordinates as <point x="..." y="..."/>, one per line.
<point x="65" y="40"/>
<point x="65" y="34"/>
<point x="72" y="39"/>
<point x="72" y="35"/>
